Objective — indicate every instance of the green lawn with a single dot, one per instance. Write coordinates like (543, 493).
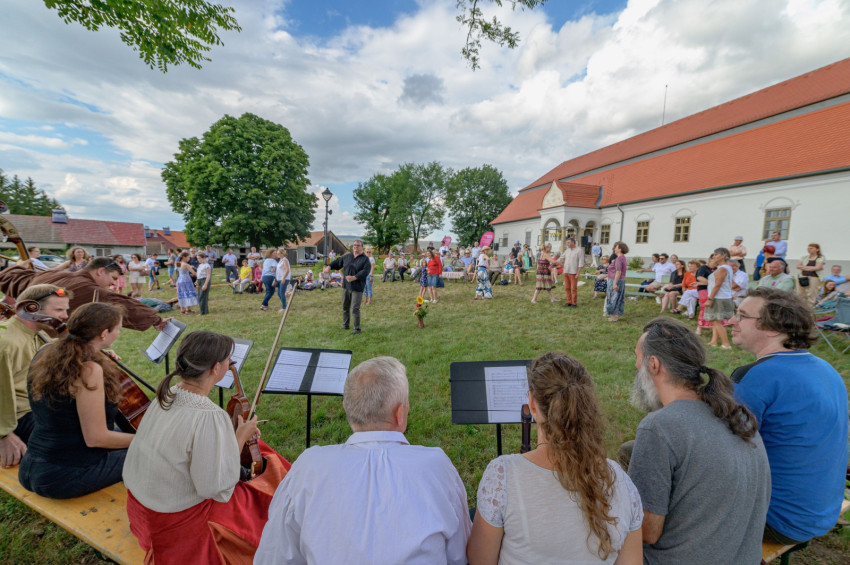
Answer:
(457, 329)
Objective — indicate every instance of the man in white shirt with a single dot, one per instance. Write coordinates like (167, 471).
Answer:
(376, 499)
(254, 257)
(572, 261)
(663, 268)
(389, 268)
(740, 282)
(229, 261)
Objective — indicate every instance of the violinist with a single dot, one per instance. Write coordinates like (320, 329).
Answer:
(73, 391)
(185, 500)
(19, 344)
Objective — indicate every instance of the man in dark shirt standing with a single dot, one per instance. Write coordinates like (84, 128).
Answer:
(355, 268)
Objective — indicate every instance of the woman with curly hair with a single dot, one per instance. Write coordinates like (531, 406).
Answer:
(565, 501)
(74, 394)
(77, 259)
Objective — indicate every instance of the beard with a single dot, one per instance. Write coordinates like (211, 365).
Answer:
(644, 394)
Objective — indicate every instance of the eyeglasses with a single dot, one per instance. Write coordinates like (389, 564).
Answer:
(740, 316)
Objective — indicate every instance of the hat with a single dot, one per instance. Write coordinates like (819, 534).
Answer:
(739, 238)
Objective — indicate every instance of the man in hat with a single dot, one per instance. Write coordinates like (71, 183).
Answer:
(737, 252)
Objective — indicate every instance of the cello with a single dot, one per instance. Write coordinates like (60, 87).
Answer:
(134, 402)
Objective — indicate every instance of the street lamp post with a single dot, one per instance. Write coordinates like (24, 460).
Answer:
(327, 195)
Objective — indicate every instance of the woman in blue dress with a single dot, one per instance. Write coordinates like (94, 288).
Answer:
(187, 296)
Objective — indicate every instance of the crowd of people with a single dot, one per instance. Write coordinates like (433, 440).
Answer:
(719, 464)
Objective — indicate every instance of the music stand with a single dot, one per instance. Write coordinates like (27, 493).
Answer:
(311, 372)
(163, 342)
(489, 392)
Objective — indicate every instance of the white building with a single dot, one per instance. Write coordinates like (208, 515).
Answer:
(774, 160)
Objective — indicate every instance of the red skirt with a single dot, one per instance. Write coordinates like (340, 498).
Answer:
(210, 532)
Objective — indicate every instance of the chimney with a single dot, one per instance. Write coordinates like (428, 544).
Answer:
(166, 231)
(147, 232)
(59, 216)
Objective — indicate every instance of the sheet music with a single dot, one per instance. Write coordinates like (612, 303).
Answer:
(288, 357)
(226, 381)
(507, 391)
(334, 360)
(329, 379)
(286, 377)
(240, 350)
(164, 340)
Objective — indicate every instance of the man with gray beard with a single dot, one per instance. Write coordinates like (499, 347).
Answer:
(698, 461)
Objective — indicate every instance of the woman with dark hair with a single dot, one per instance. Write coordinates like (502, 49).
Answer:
(673, 289)
(74, 394)
(827, 295)
(810, 265)
(136, 272)
(121, 283)
(718, 304)
(544, 274)
(187, 296)
(565, 501)
(185, 499)
(615, 294)
(601, 282)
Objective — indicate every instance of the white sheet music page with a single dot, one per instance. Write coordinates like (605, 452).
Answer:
(289, 370)
(329, 379)
(163, 339)
(334, 360)
(238, 355)
(507, 391)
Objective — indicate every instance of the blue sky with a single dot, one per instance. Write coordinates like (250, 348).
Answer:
(367, 86)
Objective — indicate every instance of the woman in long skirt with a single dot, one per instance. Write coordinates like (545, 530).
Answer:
(187, 296)
(615, 296)
(483, 290)
(544, 275)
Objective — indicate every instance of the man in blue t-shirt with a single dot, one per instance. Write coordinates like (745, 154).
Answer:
(800, 402)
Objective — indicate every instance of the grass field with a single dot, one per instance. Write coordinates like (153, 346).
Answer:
(457, 329)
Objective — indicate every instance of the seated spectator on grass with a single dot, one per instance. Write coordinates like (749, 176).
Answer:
(565, 501)
(308, 283)
(776, 276)
(375, 499)
(698, 460)
(800, 402)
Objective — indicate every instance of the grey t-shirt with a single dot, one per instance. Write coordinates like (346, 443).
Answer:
(712, 486)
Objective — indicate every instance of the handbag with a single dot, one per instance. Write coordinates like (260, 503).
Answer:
(804, 281)
(440, 283)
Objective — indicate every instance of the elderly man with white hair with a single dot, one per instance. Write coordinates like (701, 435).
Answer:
(375, 499)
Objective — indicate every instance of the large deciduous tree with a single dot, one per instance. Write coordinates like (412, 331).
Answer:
(380, 212)
(24, 197)
(421, 195)
(244, 181)
(475, 197)
(472, 17)
(164, 32)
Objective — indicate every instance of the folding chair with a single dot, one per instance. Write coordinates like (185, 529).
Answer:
(838, 328)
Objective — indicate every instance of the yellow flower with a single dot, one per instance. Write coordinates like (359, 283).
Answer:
(420, 301)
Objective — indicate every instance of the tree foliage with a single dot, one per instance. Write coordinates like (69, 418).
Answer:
(381, 212)
(472, 16)
(164, 32)
(244, 181)
(421, 196)
(24, 197)
(475, 197)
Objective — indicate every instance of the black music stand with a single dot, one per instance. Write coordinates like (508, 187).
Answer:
(311, 372)
(489, 392)
(241, 349)
(163, 342)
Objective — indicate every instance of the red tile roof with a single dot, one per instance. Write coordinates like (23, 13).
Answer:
(525, 205)
(821, 84)
(83, 232)
(177, 239)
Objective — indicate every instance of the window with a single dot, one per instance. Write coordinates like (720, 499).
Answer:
(778, 219)
(683, 229)
(505, 239)
(528, 237)
(605, 234)
(642, 235)
(102, 252)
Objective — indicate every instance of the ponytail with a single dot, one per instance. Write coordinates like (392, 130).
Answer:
(717, 392)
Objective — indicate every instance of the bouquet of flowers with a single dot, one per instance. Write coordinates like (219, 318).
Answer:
(421, 310)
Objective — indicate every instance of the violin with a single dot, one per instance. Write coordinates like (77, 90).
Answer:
(134, 402)
(251, 458)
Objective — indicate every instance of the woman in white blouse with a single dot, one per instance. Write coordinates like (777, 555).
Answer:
(563, 502)
(185, 500)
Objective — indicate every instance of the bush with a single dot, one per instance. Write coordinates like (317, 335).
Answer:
(635, 263)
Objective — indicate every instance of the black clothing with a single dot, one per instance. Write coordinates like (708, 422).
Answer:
(704, 271)
(353, 266)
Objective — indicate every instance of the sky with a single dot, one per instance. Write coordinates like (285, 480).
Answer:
(365, 86)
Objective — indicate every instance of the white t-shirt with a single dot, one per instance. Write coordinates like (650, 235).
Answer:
(282, 271)
(483, 260)
(663, 270)
(203, 271)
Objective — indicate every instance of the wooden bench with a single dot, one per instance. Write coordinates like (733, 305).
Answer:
(98, 519)
(770, 551)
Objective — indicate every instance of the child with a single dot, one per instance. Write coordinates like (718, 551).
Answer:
(204, 278)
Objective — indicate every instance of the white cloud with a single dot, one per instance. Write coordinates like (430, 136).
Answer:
(561, 93)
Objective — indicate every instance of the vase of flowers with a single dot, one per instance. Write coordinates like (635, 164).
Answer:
(420, 311)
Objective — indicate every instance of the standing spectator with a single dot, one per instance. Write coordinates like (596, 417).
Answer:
(484, 289)
(355, 269)
(758, 265)
(596, 253)
(476, 251)
(703, 273)
(367, 288)
(740, 282)
(121, 282)
(136, 270)
(572, 261)
(389, 268)
(153, 279)
(527, 258)
(810, 265)
(246, 275)
(698, 462)
(544, 275)
(737, 252)
(780, 247)
(211, 256)
(331, 255)
(422, 274)
(718, 304)
(204, 278)
(229, 260)
(282, 276)
(435, 267)
(800, 402)
(254, 258)
(187, 296)
(268, 273)
(615, 294)
(171, 263)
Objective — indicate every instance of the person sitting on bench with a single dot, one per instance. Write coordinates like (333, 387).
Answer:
(74, 391)
(185, 500)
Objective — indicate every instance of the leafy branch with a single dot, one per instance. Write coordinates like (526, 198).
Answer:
(472, 17)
